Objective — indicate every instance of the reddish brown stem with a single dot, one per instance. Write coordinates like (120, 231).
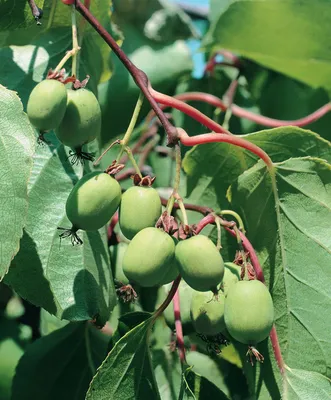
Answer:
(235, 140)
(208, 219)
(138, 75)
(178, 327)
(259, 119)
(174, 102)
(191, 207)
(169, 298)
(277, 350)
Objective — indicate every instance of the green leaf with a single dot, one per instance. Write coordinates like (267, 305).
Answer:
(71, 354)
(17, 145)
(127, 372)
(49, 323)
(73, 283)
(213, 167)
(197, 387)
(289, 230)
(279, 35)
(281, 97)
(305, 385)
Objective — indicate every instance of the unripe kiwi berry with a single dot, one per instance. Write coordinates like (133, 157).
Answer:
(185, 296)
(249, 312)
(47, 104)
(200, 263)
(82, 119)
(171, 274)
(93, 201)
(140, 208)
(207, 312)
(148, 257)
(118, 252)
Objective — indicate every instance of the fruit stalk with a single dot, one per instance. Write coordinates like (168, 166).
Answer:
(179, 328)
(169, 298)
(138, 75)
(75, 46)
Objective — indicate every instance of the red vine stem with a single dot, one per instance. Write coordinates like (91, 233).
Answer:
(178, 327)
(236, 110)
(176, 103)
(235, 140)
(138, 75)
(259, 119)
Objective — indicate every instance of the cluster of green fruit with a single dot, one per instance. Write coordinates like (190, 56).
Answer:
(95, 198)
(75, 115)
(213, 299)
(242, 310)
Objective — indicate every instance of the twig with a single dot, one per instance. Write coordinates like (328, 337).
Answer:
(36, 11)
(235, 140)
(138, 75)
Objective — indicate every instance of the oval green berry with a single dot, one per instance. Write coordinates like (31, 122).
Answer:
(140, 208)
(47, 104)
(148, 257)
(82, 120)
(249, 312)
(93, 201)
(200, 263)
(118, 252)
(207, 312)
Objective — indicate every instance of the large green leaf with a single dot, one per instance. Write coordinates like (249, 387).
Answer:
(127, 372)
(305, 385)
(197, 387)
(279, 34)
(60, 365)
(213, 167)
(17, 145)
(74, 283)
(290, 231)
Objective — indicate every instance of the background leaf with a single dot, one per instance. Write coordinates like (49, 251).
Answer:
(290, 235)
(127, 371)
(305, 385)
(279, 35)
(17, 145)
(74, 283)
(69, 353)
(213, 167)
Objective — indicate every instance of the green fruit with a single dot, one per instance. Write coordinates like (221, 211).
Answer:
(118, 254)
(231, 276)
(249, 312)
(200, 263)
(148, 257)
(207, 312)
(185, 296)
(82, 120)
(47, 104)
(140, 208)
(93, 201)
